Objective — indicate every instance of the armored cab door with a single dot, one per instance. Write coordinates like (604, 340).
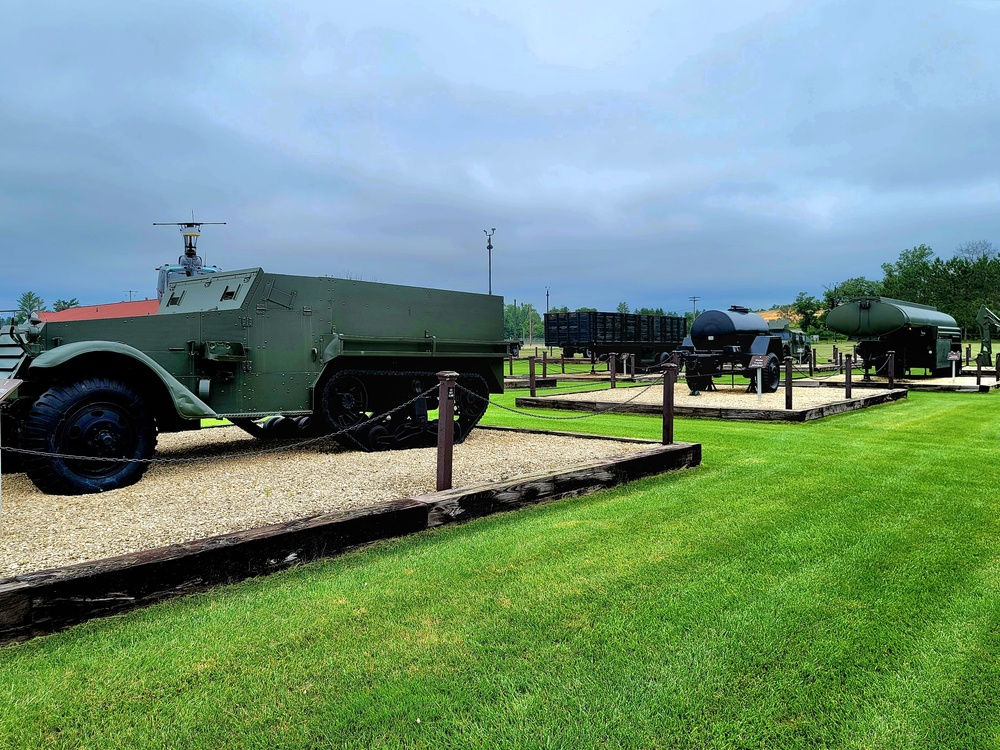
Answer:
(284, 349)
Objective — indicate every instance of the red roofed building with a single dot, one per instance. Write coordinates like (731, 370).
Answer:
(134, 309)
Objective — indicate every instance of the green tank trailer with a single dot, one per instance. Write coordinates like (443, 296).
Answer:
(921, 336)
(278, 355)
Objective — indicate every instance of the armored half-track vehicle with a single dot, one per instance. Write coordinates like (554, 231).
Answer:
(724, 342)
(278, 355)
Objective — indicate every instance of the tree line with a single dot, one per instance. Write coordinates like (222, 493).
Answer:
(957, 286)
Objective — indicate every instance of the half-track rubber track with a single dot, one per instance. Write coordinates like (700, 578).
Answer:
(376, 410)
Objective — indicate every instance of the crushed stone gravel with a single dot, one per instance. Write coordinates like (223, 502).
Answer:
(234, 491)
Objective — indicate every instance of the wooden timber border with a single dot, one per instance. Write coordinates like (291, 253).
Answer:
(46, 601)
(719, 412)
(937, 386)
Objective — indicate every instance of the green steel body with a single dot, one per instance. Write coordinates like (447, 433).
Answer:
(921, 336)
(248, 343)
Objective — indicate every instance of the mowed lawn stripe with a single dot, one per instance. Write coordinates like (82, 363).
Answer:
(824, 584)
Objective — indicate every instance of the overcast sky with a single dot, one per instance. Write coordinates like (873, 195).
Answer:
(627, 151)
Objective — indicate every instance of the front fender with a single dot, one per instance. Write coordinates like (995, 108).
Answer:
(186, 403)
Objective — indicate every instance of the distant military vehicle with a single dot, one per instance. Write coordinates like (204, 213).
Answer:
(921, 336)
(650, 338)
(728, 341)
(794, 342)
(278, 355)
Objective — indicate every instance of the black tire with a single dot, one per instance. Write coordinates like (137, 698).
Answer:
(772, 374)
(95, 417)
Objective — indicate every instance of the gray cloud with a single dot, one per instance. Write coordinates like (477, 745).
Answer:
(741, 152)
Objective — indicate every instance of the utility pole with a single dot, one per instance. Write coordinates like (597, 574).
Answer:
(546, 300)
(130, 292)
(489, 258)
(694, 307)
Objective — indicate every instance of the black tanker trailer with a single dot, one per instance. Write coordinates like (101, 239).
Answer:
(725, 342)
(921, 336)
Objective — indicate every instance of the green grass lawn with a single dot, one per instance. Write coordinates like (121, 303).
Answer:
(828, 584)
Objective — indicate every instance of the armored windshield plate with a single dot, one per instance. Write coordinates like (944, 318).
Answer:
(757, 361)
(954, 356)
(7, 387)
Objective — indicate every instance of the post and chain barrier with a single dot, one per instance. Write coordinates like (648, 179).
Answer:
(446, 389)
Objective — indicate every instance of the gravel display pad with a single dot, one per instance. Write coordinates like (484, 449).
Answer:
(724, 397)
(235, 490)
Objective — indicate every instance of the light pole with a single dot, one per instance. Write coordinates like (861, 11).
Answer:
(546, 300)
(489, 257)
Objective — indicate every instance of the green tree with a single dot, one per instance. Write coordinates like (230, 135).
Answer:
(623, 308)
(911, 277)
(586, 309)
(805, 307)
(65, 304)
(522, 322)
(28, 303)
(649, 311)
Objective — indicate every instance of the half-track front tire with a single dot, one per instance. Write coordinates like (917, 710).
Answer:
(92, 418)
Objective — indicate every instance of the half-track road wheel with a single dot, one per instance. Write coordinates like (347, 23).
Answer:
(91, 418)
(395, 413)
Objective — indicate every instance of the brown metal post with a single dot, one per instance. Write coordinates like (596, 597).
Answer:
(545, 364)
(510, 359)
(812, 362)
(996, 370)
(848, 366)
(891, 365)
(979, 372)
(446, 427)
(669, 381)
(788, 382)
(835, 360)
(563, 360)
(531, 375)
(968, 354)
(613, 367)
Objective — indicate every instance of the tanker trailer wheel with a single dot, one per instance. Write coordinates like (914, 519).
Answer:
(95, 417)
(772, 374)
